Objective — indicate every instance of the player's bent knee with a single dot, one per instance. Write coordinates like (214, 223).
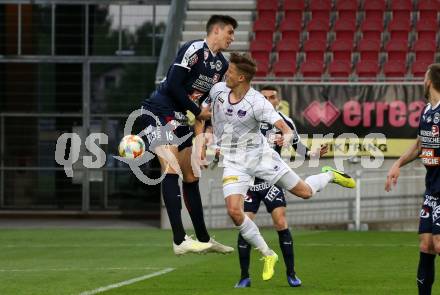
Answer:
(236, 215)
(426, 247)
(280, 224)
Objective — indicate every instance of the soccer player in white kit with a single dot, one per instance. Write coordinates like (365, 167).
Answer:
(237, 111)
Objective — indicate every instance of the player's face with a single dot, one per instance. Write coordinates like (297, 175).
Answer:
(272, 97)
(233, 76)
(225, 36)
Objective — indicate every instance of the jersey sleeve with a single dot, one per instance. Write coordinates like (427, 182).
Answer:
(188, 55)
(264, 111)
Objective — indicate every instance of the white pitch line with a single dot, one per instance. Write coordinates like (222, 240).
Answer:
(127, 282)
(81, 246)
(75, 269)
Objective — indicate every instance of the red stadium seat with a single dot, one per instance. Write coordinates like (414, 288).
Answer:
(287, 49)
(290, 25)
(264, 29)
(425, 50)
(428, 9)
(267, 5)
(394, 69)
(267, 9)
(339, 68)
(374, 9)
(372, 28)
(320, 9)
(260, 50)
(345, 29)
(262, 67)
(342, 49)
(401, 9)
(397, 50)
(419, 68)
(315, 49)
(369, 49)
(427, 29)
(367, 69)
(284, 68)
(312, 69)
(318, 29)
(399, 29)
(347, 9)
(293, 9)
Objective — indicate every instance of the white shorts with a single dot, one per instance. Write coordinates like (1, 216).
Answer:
(237, 180)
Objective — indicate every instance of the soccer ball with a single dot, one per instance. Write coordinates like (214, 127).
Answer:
(131, 146)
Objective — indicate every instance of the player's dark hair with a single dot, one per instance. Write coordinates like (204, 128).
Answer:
(434, 75)
(221, 20)
(270, 88)
(245, 64)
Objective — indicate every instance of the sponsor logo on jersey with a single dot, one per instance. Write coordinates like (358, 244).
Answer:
(230, 179)
(221, 99)
(436, 118)
(193, 60)
(212, 65)
(241, 113)
(428, 157)
(435, 131)
(218, 66)
(229, 112)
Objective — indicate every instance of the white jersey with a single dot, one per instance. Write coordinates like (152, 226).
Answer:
(236, 126)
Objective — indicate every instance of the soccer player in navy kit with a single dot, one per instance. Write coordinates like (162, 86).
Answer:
(198, 66)
(273, 198)
(427, 146)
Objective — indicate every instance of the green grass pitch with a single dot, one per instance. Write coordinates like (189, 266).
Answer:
(72, 261)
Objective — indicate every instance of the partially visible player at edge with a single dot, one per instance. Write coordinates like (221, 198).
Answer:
(427, 146)
(198, 66)
(237, 111)
(273, 198)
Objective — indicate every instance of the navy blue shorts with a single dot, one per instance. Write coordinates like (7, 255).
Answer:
(272, 197)
(167, 129)
(430, 215)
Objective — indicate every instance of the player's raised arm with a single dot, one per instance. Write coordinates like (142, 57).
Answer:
(393, 174)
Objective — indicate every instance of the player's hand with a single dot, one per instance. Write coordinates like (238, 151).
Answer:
(205, 114)
(392, 176)
(283, 140)
(319, 152)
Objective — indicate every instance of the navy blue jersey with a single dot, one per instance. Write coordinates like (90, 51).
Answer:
(269, 131)
(429, 135)
(194, 71)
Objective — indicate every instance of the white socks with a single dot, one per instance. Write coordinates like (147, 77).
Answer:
(319, 181)
(249, 231)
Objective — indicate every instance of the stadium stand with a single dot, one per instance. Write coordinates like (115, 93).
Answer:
(333, 39)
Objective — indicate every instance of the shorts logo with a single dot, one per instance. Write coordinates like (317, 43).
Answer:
(435, 131)
(230, 179)
(241, 113)
(276, 168)
(424, 213)
(248, 199)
